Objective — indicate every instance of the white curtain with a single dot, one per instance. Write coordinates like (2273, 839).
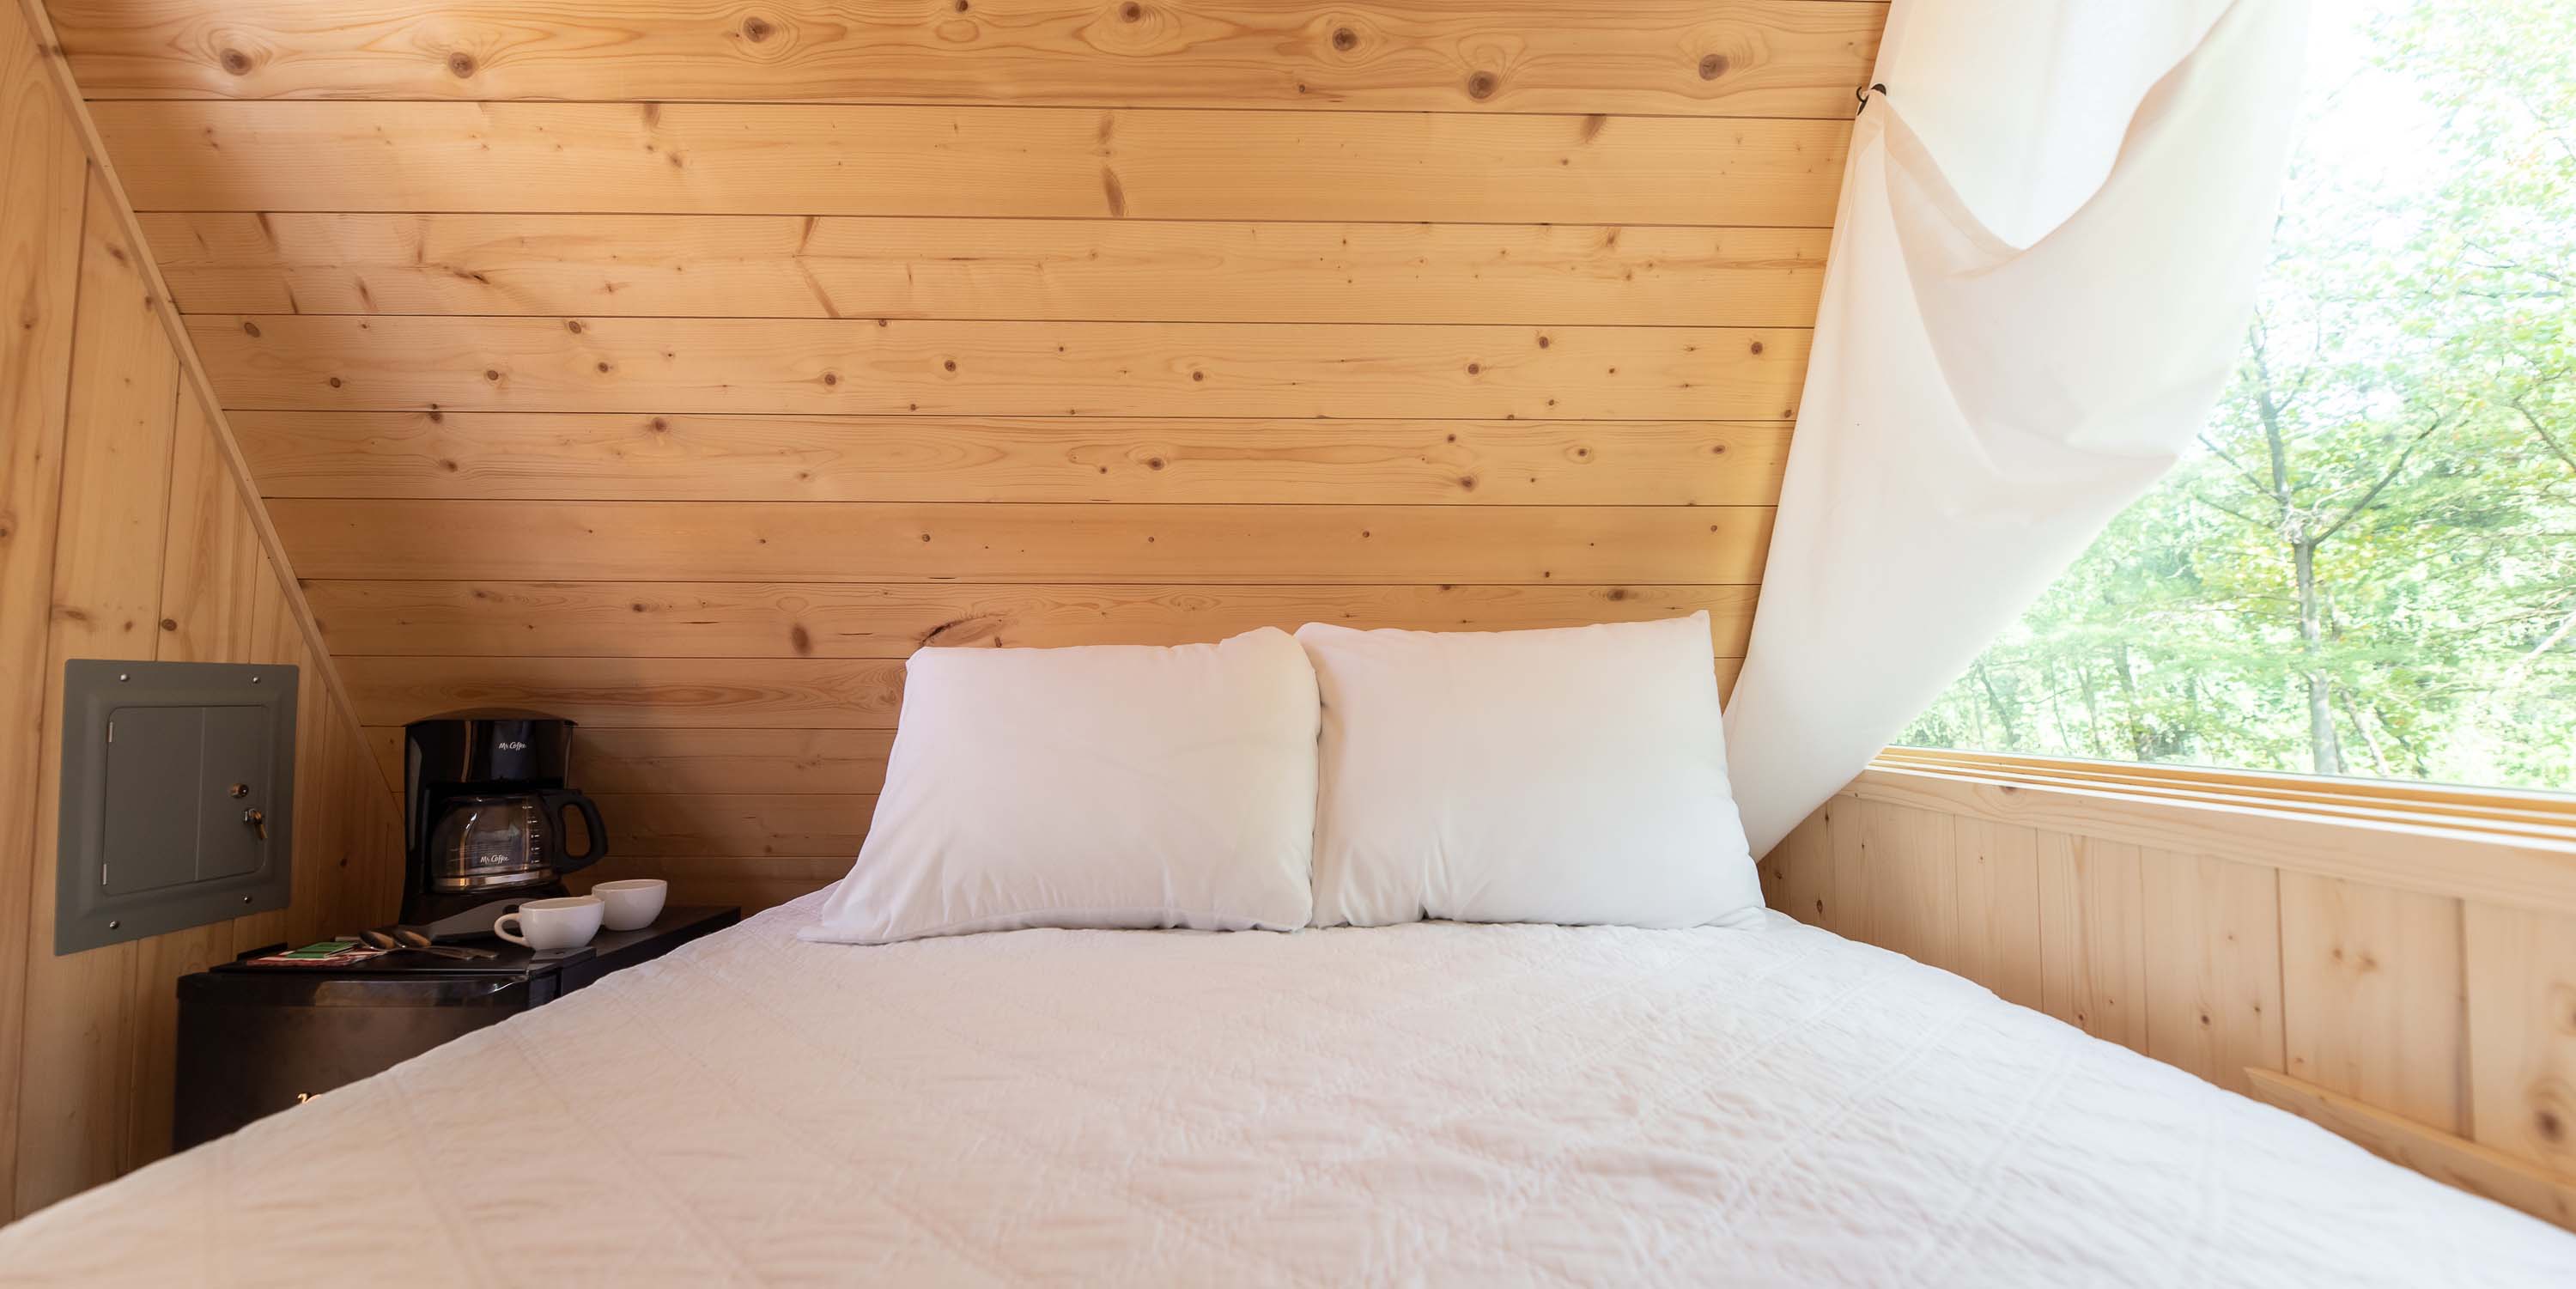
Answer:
(2051, 226)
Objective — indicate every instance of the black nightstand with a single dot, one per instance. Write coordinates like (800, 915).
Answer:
(255, 1040)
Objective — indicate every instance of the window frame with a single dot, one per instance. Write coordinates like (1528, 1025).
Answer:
(2510, 811)
(2504, 846)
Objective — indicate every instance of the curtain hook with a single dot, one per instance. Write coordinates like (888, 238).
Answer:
(1863, 96)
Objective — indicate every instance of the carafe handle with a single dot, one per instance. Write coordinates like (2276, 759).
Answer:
(555, 802)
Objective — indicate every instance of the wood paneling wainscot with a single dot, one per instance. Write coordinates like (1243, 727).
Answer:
(126, 531)
(2268, 949)
(681, 369)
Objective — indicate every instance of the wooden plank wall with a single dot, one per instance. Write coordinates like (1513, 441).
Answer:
(680, 368)
(2436, 1027)
(124, 533)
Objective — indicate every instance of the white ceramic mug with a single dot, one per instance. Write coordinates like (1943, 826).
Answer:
(634, 902)
(567, 923)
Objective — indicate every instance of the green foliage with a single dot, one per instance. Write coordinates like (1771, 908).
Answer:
(2369, 564)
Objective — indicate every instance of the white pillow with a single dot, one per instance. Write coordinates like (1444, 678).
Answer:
(1102, 786)
(1571, 776)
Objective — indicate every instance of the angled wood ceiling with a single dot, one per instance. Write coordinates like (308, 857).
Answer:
(680, 365)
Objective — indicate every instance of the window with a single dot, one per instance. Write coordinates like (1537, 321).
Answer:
(2367, 564)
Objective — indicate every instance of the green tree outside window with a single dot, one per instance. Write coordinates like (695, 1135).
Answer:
(2367, 565)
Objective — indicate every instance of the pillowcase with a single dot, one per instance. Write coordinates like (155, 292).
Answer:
(1571, 776)
(1101, 786)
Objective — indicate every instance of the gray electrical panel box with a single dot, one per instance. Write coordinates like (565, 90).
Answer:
(178, 803)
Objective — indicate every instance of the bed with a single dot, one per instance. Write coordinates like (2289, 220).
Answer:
(1424, 1104)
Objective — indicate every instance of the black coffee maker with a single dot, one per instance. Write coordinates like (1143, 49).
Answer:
(483, 818)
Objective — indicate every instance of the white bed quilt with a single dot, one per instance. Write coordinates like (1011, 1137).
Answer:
(1420, 1104)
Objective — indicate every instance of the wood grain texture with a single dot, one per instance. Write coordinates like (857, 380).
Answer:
(274, 637)
(214, 564)
(1026, 162)
(1998, 937)
(846, 541)
(2422, 854)
(304, 924)
(2213, 965)
(763, 824)
(121, 411)
(1772, 878)
(791, 693)
(123, 534)
(2449, 805)
(1736, 57)
(1913, 880)
(212, 569)
(1847, 908)
(42, 192)
(803, 367)
(2402, 1014)
(801, 694)
(1805, 860)
(2513, 812)
(1054, 459)
(357, 844)
(2442, 1156)
(879, 620)
(2520, 983)
(1098, 270)
(2093, 971)
(77, 1077)
(713, 762)
(312, 856)
(2371, 982)
(731, 761)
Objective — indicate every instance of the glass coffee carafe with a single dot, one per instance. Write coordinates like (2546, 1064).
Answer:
(503, 841)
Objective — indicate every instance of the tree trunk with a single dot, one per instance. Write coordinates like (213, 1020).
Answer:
(2189, 745)
(2057, 710)
(2135, 724)
(2092, 713)
(2324, 748)
(2012, 730)
(2369, 742)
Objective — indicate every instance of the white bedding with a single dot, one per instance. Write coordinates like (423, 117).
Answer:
(1421, 1104)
